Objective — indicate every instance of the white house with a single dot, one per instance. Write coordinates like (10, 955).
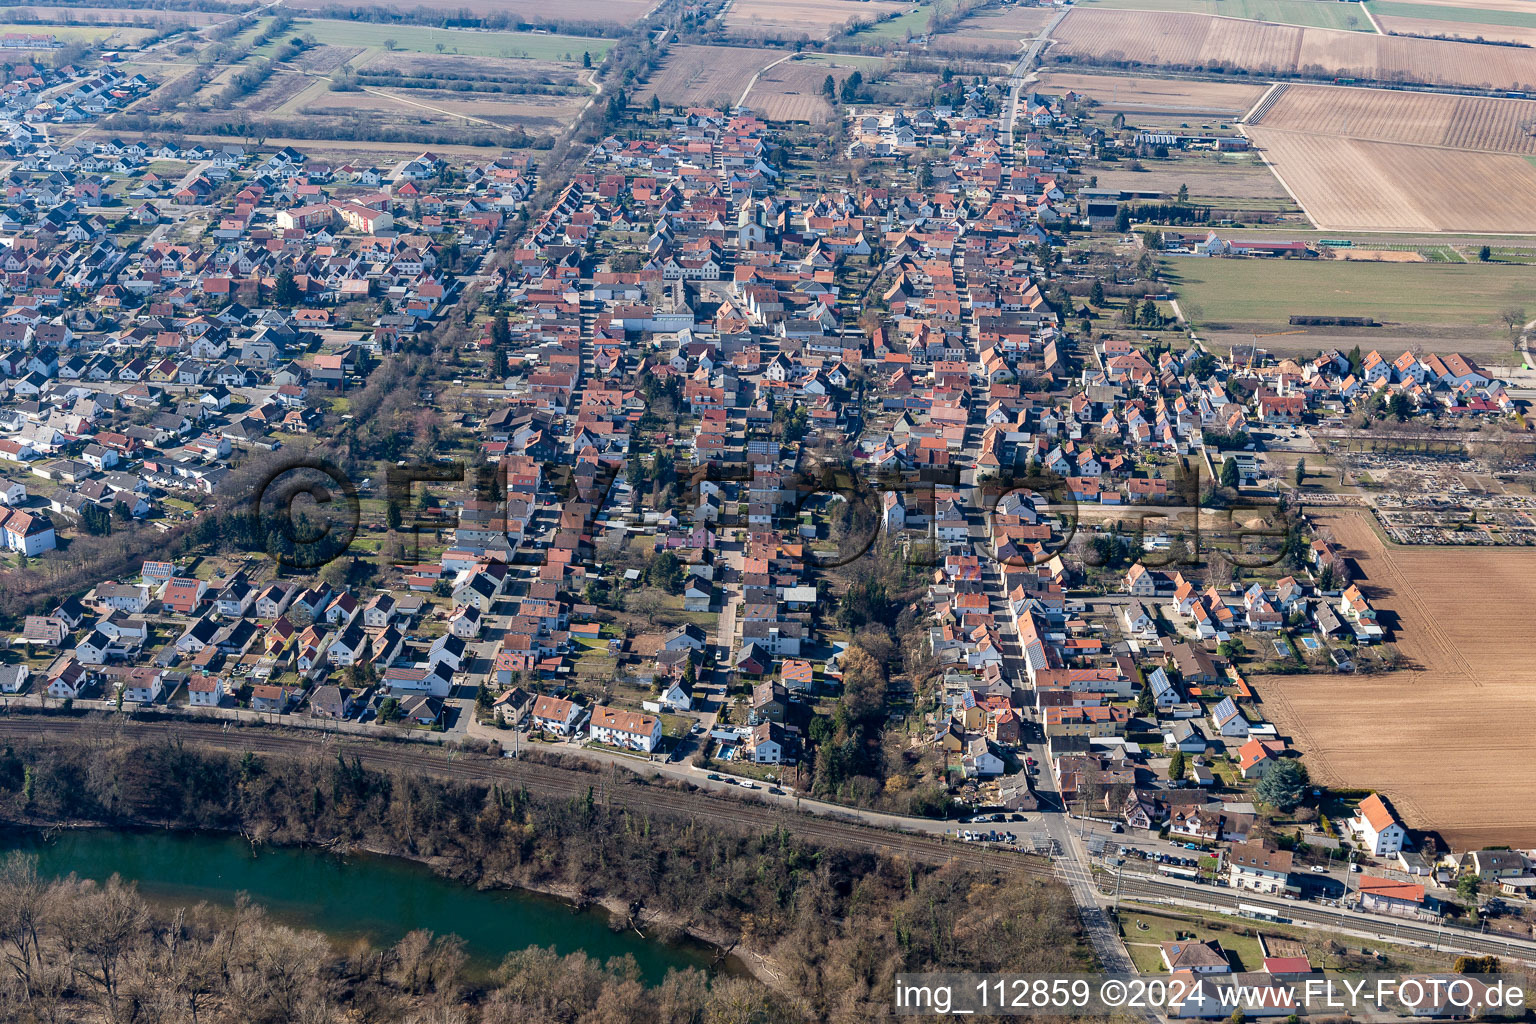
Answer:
(627, 729)
(1138, 621)
(686, 635)
(205, 691)
(1377, 827)
(1259, 866)
(123, 597)
(553, 714)
(13, 678)
(140, 685)
(767, 743)
(1164, 694)
(1227, 720)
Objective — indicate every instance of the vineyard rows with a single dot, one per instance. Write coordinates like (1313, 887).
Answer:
(1418, 118)
(1129, 38)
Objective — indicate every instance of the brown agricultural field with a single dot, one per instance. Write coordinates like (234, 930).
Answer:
(1209, 181)
(1158, 37)
(1418, 118)
(707, 75)
(400, 107)
(994, 31)
(614, 12)
(792, 91)
(1198, 40)
(322, 60)
(1353, 185)
(1457, 30)
(817, 19)
(1156, 95)
(1449, 740)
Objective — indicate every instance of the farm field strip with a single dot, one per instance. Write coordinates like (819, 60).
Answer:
(1350, 184)
(693, 75)
(615, 12)
(454, 42)
(992, 30)
(114, 15)
(1515, 6)
(1207, 181)
(1199, 41)
(125, 35)
(1433, 739)
(1348, 17)
(816, 19)
(792, 91)
(1447, 295)
(1126, 93)
(1398, 25)
(1416, 118)
(1458, 15)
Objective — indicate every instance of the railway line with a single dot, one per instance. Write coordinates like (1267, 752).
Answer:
(610, 786)
(615, 787)
(1402, 931)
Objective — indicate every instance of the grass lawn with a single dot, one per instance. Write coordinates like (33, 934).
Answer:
(419, 39)
(1464, 15)
(914, 22)
(1269, 291)
(1310, 13)
(596, 664)
(1144, 932)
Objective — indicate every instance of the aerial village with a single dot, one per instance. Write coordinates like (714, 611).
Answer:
(674, 359)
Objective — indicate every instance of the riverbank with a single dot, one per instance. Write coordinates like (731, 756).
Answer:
(826, 926)
(727, 955)
(175, 869)
(732, 953)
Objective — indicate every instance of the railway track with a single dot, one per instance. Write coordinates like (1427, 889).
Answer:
(609, 787)
(1404, 931)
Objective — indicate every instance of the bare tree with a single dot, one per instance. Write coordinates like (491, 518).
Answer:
(1514, 319)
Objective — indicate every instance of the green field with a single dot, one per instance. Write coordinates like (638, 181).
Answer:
(1463, 15)
(914, 22)
(417, 39)
(1269, 291)
(1309, 13)
(122, 36)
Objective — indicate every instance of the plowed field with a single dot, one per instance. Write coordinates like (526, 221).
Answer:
(1449, 741)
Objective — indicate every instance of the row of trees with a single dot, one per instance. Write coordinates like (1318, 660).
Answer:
(837, 924)
(82, 950)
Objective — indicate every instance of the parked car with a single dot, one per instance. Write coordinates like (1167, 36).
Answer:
(1318, 869)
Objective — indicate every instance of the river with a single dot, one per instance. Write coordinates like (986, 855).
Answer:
(347, 898)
